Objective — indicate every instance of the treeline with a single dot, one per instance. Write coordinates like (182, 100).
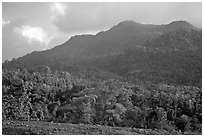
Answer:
(61, 97)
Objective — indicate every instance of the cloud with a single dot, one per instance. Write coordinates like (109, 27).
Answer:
(16, 36)
(12, 44)
(57, 9)
(28, 27)
(86, 17)
(5, 22)
(57, 40)
(79, 17)
(33, 34)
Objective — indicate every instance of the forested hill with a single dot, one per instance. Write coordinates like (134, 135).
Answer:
(168, 53)
(131, 76)
(174, 58)
(115, 40)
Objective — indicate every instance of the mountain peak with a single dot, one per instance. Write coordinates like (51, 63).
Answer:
(122, 36)
(128, 23)
(181, 24)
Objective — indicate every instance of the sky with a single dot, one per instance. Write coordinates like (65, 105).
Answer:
(28, 27)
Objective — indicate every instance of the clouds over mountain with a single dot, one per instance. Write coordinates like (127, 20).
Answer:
(19, 39)
(38, 26)
(33, 34)
(85, 17)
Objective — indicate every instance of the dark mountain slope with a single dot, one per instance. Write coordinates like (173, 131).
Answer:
(181, 39)
(179, 68)
(158, 53)
(120, 37)
(174, 57)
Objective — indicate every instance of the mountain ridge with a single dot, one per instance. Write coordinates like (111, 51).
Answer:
(117, 39)
(176, 24)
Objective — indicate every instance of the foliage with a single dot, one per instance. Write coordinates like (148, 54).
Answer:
(63, 98)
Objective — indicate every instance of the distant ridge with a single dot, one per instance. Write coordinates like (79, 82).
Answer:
(117, 39)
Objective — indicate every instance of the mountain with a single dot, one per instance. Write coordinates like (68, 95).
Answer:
(181, 24)
(174, 57)
(142, 51)
(120, 37)
(156, 66)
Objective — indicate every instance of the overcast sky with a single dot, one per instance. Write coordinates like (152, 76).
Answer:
(28, 27)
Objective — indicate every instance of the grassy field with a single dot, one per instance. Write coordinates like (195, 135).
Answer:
(49, 128)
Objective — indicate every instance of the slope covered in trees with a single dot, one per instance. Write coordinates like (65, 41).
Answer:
(178, 68)
(133, 75)
(62, 98)
(169, 53)
(115, 40)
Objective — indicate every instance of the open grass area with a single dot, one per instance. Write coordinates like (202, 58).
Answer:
(49, 128)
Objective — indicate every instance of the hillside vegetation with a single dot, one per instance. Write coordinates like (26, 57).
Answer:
(133, 76)
(170, 53)
(62, 98)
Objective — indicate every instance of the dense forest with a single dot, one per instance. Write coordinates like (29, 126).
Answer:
(61, 97)
(177, 68)
(132, 76)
